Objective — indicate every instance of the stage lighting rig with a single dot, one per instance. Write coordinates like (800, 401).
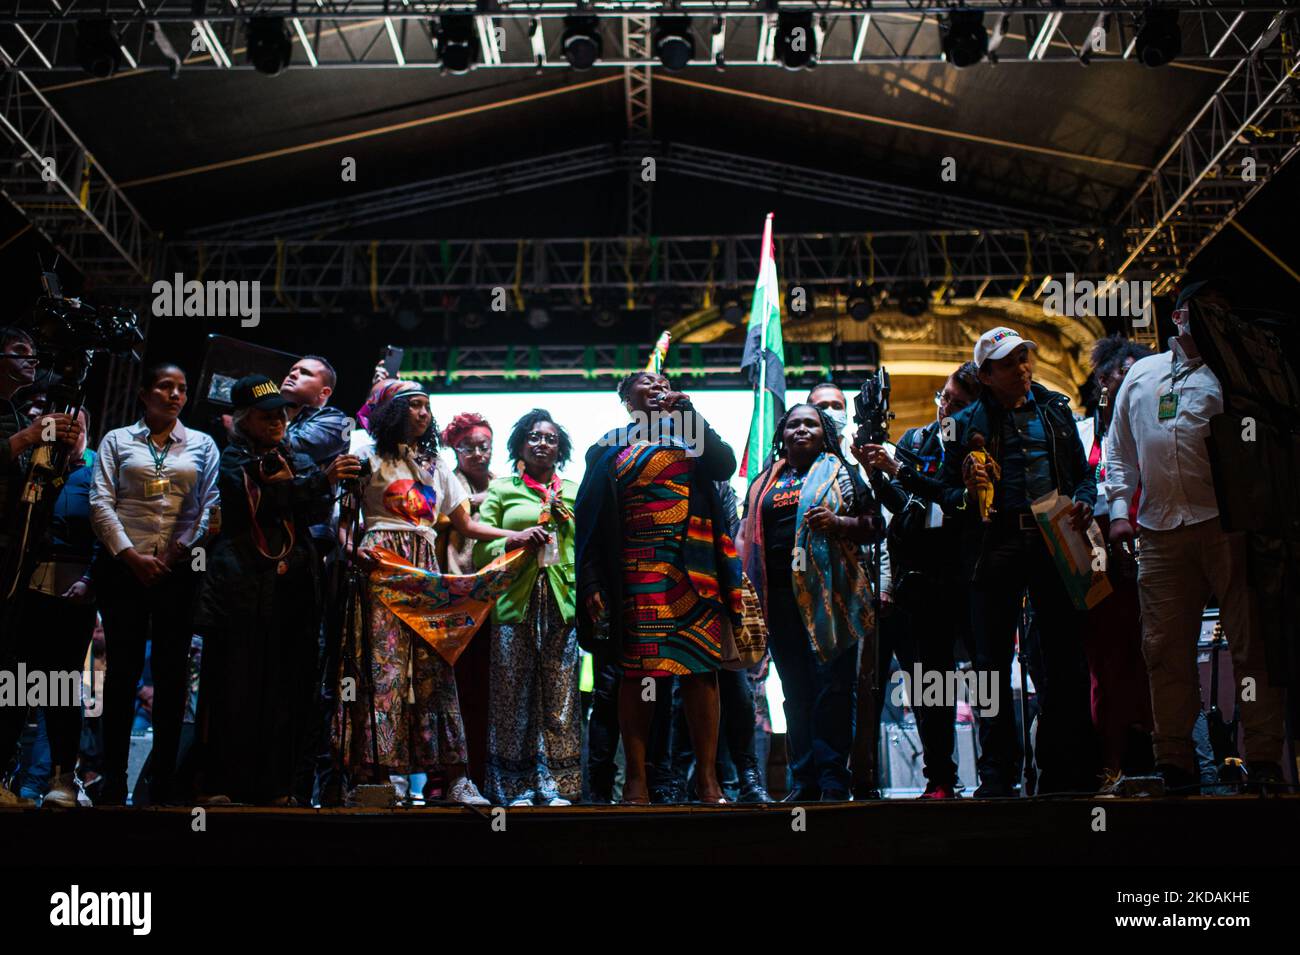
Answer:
(457, 44)
(98, 49)
(269, 46)
(962, 35)
(581, 41)
(731, 307)
(859, 303)
(1159, 39)
(796, 45)
(674, 42)
(913, 299)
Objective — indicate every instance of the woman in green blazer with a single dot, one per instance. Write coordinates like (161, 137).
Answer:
(534, 729)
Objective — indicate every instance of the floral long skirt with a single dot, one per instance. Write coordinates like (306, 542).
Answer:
(534, 731)
(416, 716)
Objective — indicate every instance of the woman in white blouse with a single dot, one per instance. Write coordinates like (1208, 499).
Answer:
(154, 490)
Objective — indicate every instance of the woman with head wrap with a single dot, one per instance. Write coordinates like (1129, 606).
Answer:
(414, 707)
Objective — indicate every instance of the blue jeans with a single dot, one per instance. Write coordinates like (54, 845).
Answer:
(819, 700)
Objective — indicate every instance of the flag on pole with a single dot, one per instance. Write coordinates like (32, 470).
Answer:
(659, 354)
(764, 360)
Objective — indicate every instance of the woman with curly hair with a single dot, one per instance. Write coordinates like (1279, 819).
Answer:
(417, 725)
(534, 735)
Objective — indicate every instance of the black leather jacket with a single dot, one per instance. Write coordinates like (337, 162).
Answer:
(1073, 476)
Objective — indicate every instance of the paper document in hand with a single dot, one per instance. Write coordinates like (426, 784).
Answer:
(1081, 559)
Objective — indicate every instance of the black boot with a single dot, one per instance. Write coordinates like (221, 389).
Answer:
(751, 786)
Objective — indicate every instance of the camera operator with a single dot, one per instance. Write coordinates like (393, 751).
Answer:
(1030, 433)
(18, 433)
(155, 488)
(258, 607)
(930, 609)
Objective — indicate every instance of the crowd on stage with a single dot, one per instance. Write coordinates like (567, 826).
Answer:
(370, 614)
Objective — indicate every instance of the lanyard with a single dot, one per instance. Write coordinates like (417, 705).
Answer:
(159, 457)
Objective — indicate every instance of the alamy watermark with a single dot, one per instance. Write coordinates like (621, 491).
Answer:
(194, 299)
(923, 687)
(23, 687)
(1130, 299)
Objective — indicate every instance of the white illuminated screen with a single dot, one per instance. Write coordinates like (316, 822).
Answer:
(586, 416)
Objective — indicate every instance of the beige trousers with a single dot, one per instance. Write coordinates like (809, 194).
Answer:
(1178, 572)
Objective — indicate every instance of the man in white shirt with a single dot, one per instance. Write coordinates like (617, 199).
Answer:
(1158, 439)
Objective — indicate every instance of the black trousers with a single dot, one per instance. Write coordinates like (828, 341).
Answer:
(603, 731)
(923, 629)
(1067, 753)
(52, 638)
(134, 615)
(819, 700)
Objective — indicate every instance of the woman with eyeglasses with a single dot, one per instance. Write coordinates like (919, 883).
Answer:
(470, 436)
(415, 707)
(534, 729)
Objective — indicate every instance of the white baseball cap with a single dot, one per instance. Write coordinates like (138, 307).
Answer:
(998, 343)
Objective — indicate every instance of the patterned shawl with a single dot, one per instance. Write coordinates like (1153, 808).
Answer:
(832, 588)
(444, 609)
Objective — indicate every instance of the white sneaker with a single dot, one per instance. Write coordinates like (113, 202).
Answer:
(12, 801)
(466, 792)
(521, 802)
(559, 801)
(63, 792)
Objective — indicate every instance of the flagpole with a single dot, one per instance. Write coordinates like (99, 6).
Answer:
(761, 384)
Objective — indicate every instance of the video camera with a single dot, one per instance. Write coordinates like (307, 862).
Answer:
(872, 414)
(871, 410)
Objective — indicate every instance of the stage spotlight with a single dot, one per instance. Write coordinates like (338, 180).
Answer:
(537, 312)
(731, 307)
(581, 41)
(457, 44)
(99, 51)
(796, 45)
(913, 299)
(963, 37)
(859, 303)
(674, 42)
(1159, 39)
(471, 310)
(269, 46)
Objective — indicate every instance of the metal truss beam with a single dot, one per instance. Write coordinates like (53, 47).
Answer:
(50, 176)
(320, 219)
(1249, 128)
(316, 276)
(369, 34)
(582, 367)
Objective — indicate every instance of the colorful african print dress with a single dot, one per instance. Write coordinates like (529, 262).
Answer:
(669, 630)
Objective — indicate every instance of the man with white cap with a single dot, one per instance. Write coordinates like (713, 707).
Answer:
(1158, 439)
(1030, 432)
